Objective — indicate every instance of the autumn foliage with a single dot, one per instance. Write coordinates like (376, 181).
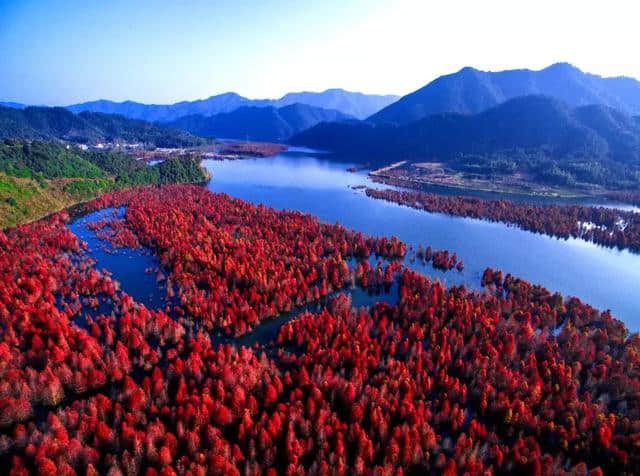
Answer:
(511, 379)
(236, 264)
(605, 226)
(626, 196)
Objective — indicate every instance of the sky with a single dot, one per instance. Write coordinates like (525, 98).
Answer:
(64, 52)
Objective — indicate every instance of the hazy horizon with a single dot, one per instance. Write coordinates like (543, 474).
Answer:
(61, 53)
(302, 91)
(271, 98)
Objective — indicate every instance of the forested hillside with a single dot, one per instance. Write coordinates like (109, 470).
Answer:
(259, 123)
(537, 135)
(37, 178)
(47, 123)
(470, 91)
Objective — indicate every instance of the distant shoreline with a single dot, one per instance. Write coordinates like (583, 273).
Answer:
(382, 175)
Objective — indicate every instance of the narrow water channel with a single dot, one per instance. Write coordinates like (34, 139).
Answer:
(603, 277)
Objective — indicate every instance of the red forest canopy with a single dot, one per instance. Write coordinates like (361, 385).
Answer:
(446, 380)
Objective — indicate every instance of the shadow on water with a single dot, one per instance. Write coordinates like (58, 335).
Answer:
(267, 331)
(129, 267)
(606, 278)
(126, 265)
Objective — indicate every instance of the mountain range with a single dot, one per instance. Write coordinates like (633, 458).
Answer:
(559, 110)
(353, 104)
(46, 123)
(470, 91)
(13, 105)
(541, 123)
(259, 123)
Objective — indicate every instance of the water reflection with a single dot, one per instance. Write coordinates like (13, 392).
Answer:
(126, 265)
(606, 278)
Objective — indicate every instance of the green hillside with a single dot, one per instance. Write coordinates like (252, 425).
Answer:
(38, 178)
(47, 123)
(534, 135)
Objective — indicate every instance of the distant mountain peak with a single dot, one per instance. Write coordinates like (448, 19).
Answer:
(468, 70)
(12, 105)
(537, 123)
(354, 104)
(224, 95)
(268, 123)
(471, 91)
(562, 66)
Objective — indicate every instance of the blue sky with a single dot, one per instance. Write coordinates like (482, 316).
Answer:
(62, 52)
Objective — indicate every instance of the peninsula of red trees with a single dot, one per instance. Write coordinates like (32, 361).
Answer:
(605, 226)
(513, 379)
(626, 196)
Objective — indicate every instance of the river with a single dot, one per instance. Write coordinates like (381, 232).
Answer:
(603, 277)
(297, 179)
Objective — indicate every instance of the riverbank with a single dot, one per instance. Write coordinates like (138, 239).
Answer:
(220, 150)
(604, 226)
(424, 174)
(25, 200)
(321, 186)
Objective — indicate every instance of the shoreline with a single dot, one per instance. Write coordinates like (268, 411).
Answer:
(414, 184)
(74, 207)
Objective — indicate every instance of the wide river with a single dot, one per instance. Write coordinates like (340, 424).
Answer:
(603, 277)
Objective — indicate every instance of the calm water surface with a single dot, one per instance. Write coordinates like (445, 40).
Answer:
(604, 277)
(135, 269)
(126, 265)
